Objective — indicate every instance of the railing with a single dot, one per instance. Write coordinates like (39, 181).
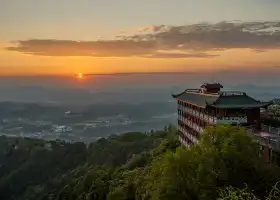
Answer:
(191, 125)
(212, 119)
(271, 142)
(192, 90)
(226, 120)
(189, 136)
(270, 129)
(232, 93)
(201, 115)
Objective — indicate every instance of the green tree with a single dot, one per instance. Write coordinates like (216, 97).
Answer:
(224, 156)
(231, 193)
(138, 166)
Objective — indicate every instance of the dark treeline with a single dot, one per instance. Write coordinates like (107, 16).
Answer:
(138, 166)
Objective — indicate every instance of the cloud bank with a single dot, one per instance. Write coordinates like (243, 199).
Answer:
(189, 41)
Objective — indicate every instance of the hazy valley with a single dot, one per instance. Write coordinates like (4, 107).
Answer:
(85, 114)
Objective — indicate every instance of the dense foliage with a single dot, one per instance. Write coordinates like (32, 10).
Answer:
(224, 165)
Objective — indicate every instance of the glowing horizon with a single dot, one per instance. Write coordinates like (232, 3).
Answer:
(84, 41)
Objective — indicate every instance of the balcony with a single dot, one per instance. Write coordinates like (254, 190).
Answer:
(271, 142)
(187, 134)
(270, 129)
(190, 136)
(231, 120)
(191, 125)
(212, 119)
(200, 115)
(268, 136)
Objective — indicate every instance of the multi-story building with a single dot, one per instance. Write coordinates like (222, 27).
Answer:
(208, 105)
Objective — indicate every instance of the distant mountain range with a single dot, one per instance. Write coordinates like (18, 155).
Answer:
(82, 96)
(128, 94)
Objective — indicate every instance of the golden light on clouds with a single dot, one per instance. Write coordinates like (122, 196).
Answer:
(190, 48)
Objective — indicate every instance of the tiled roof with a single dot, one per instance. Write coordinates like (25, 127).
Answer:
(220, 101)
(237, 101)
(212, 85)
(197, 98)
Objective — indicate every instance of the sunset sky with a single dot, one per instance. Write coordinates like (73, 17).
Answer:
(62, 37)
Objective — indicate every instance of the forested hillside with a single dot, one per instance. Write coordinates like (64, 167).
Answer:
(138, 166)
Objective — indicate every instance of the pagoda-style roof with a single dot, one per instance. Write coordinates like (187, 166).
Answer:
(212, 85)
(197, 98)
(221, 100)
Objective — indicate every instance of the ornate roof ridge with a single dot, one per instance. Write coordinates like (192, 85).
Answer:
(203, 94)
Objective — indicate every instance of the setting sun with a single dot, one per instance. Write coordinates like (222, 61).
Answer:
(80, 75)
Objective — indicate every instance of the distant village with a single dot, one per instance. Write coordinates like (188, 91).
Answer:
(48, 130)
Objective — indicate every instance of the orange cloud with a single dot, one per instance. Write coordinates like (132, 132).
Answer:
(121, 48)
(154, 28)
(190, 41)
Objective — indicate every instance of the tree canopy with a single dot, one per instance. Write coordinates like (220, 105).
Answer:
(225, 164)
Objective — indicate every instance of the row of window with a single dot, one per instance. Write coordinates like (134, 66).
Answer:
(194, 119)
(188, 129)
(184, 104)
(203, 110)
(185, 138)
(212, 112)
